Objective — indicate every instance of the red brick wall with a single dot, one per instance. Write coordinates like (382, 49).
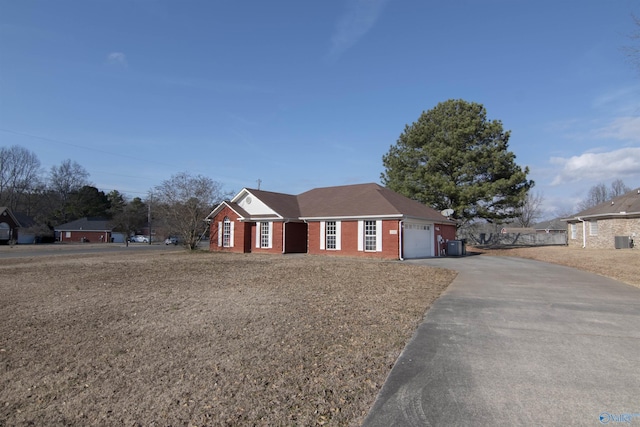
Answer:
(447, 231)
(276, 239)
(239, 232)
(90, 236)
(349, 240)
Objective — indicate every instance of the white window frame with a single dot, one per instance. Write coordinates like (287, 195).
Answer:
(330, 235)
(227, 233)
(574, 231)
(376, 237)
(593, 228)
(330, 230)
(264, 235)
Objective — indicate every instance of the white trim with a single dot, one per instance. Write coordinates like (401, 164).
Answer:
(220, 232)
(246, 193)
(322, 235)
(353, 217)
(218, 208)
(379, 236)
(338, 235)
(231, 234)
(601, 216)
(259, 235)
(360, 236)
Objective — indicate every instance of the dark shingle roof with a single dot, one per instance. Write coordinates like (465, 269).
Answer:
(362, 200)
(286, 205)
(86, 224)
(4, 209)
(625, 205)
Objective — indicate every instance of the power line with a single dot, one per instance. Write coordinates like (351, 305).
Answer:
(97, 150)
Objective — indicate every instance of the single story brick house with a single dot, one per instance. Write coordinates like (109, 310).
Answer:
(88, 229)
(365, 220)
(609, 225)
(9, 225)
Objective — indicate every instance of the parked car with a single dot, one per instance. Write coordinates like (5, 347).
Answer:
(139, 239)
(171, 241)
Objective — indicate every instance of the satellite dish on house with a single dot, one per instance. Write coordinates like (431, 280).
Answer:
(447, 212)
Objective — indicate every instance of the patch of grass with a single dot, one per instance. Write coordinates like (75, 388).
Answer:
(202, 338)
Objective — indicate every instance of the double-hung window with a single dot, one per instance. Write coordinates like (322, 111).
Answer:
(331, 234)
(226, 232)
(593, 228)
(265, 235)
(370, 236)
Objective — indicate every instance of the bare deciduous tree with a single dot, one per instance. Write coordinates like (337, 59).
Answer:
(63, 181)
(19, 173)
(618, 188)
(67, 177)
(599, 193)
(530, 212)
(633, 51)
(183, 201)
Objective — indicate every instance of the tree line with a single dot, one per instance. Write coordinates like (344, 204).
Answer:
(64, 193)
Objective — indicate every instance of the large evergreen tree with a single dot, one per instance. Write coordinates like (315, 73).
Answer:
(453, 157)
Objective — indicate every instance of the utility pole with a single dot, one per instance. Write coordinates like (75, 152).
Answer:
(149, 219)
(259, 182)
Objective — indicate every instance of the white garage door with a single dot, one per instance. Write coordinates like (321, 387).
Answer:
(417, 240)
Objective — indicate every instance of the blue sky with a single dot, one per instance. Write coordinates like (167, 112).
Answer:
(306, 94)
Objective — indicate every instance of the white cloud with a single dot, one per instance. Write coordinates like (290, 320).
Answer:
(622, 128)
(359, 17)
(117, 58)
(622, 163)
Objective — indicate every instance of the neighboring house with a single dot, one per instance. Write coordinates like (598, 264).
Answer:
(552, 226)
(9, 226)
(88, 229)
(609, 225)
(356, 220)
(28, 226)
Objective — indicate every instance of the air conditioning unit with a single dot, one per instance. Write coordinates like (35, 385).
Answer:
(454, 248)
(622, 242)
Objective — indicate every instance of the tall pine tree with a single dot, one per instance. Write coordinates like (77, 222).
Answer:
(453, 157)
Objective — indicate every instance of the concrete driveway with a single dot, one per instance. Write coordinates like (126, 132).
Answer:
(519, 342)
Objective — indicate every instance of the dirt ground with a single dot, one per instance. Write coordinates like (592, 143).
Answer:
(181, 339)
(618, 264)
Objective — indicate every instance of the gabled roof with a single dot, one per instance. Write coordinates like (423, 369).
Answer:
(363, 200)
(86, 224)
(285, 205)
(231, 205)
(6, 211)
(624, 206)
(347, 201)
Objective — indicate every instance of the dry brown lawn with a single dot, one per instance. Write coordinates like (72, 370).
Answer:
(159, 339)
(620, 264)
